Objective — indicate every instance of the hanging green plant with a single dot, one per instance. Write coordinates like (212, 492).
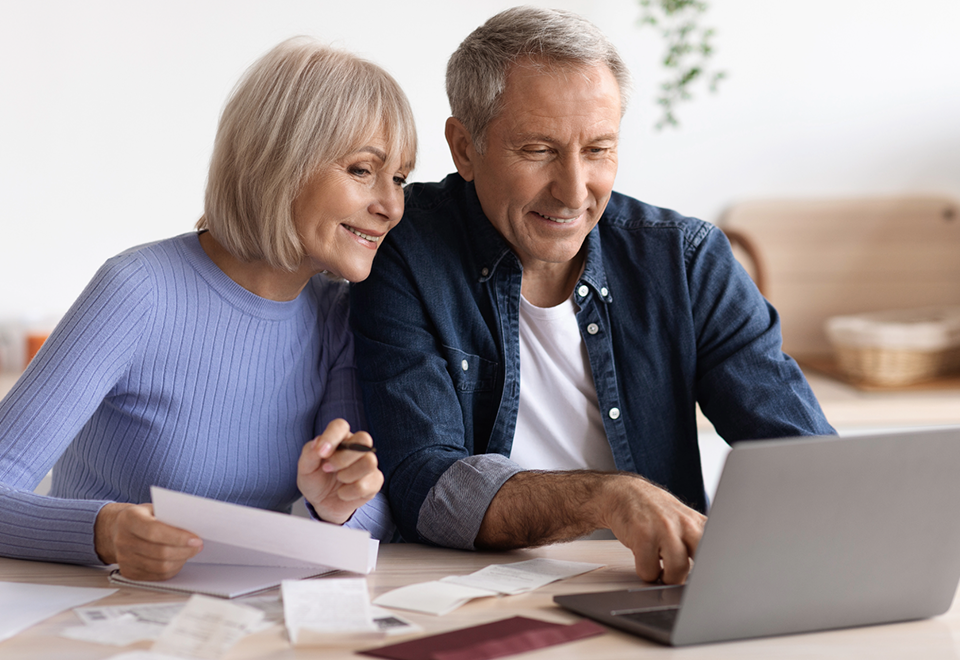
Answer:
(687, 52)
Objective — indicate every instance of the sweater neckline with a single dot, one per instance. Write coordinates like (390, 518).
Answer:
(234, 294)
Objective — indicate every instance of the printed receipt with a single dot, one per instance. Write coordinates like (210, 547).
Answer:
(206, 628)
(522, 576)
(329, 608)
(446, 595)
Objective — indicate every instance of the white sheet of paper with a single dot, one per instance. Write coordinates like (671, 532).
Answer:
(332, 607)
(115, 632)
(247, 536)
(120, 625)
(437, 598)
(206, 628)
(522, 576)
(23, 604)
(224, 580)
(156, 613)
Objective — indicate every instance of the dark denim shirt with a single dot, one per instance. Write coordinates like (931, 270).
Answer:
(668, 316)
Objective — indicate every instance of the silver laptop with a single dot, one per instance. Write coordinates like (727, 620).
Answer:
(810, 534)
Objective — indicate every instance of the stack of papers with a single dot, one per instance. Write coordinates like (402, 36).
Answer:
(246, 550)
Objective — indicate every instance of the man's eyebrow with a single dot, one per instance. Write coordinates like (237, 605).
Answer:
(608, 137)
(543, 137)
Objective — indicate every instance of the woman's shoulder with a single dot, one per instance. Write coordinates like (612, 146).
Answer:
(330, 296)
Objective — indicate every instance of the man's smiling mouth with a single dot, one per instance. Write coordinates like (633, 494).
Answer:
(562, 221)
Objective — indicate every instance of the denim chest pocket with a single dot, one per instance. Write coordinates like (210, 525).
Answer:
(470, 373)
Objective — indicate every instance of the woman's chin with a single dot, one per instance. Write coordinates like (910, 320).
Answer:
(350, 273)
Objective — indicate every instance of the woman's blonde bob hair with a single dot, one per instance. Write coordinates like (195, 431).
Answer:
(300, 107)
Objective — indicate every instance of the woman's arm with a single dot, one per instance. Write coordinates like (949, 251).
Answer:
(79, 364)
(354, 477)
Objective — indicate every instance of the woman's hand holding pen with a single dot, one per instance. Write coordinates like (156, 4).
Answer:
(337, 472)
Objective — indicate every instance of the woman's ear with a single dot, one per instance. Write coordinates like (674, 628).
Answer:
(461, 147)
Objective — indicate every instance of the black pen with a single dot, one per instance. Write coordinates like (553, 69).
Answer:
(353, 446)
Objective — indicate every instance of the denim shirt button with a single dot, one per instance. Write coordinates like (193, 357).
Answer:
(464, 365)
(614, 413)
(604, 292)
(583, 291)
(484, 271)
(593, 328)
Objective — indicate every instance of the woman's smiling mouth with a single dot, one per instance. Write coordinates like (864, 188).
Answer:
(375, 239)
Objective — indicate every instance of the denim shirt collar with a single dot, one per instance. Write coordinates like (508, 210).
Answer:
(491, 249)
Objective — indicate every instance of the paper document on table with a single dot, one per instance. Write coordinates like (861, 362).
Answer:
(322, 611)
(206, 628)
(116, 632)
(120, 625)
(521, 576)
(23, 605)
(437, 598)
(242, 535)
(449, 593)
(223, 580)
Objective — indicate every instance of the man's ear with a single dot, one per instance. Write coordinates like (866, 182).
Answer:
(461, 147)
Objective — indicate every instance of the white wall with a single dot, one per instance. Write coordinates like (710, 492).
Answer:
(108, 109)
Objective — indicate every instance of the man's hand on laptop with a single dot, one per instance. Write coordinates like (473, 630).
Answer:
(536, 508)
(661, 531)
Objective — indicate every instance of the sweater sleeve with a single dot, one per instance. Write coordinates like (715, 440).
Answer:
(79, 364)
(342, 399)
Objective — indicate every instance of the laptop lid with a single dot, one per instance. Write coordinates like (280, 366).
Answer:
(815, 533)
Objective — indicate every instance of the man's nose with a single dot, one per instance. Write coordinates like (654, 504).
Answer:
(570, 183)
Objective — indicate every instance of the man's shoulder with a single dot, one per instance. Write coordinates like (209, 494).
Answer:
(425, 202)
(442, 217)
(627, 214)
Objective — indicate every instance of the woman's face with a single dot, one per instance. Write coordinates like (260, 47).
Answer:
(346, 209)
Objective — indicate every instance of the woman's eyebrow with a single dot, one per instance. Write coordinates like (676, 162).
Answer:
(379, 153)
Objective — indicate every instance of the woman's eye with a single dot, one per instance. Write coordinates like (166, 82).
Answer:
(400, 180)
(356, 170)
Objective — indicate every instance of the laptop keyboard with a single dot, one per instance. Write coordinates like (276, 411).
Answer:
(660, 619)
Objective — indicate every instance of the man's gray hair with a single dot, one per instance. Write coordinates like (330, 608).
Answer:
(477, 70)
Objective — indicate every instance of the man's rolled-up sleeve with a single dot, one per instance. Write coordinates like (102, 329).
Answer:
(454, 508)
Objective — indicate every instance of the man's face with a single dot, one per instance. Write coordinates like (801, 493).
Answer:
(550, 160)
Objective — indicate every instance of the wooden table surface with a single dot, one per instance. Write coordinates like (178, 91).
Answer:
(406, 564)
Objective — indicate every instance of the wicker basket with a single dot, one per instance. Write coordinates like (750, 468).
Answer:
(896, 348)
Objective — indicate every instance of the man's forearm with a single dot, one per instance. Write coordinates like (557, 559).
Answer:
(536, 508)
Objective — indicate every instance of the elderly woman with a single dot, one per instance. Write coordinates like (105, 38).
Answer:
(220, 362)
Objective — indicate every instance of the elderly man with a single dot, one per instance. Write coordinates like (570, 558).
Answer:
(532, 345)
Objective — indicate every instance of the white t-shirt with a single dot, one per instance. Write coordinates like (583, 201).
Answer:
(559, 426)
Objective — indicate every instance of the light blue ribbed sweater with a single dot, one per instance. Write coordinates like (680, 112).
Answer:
(166, 372)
